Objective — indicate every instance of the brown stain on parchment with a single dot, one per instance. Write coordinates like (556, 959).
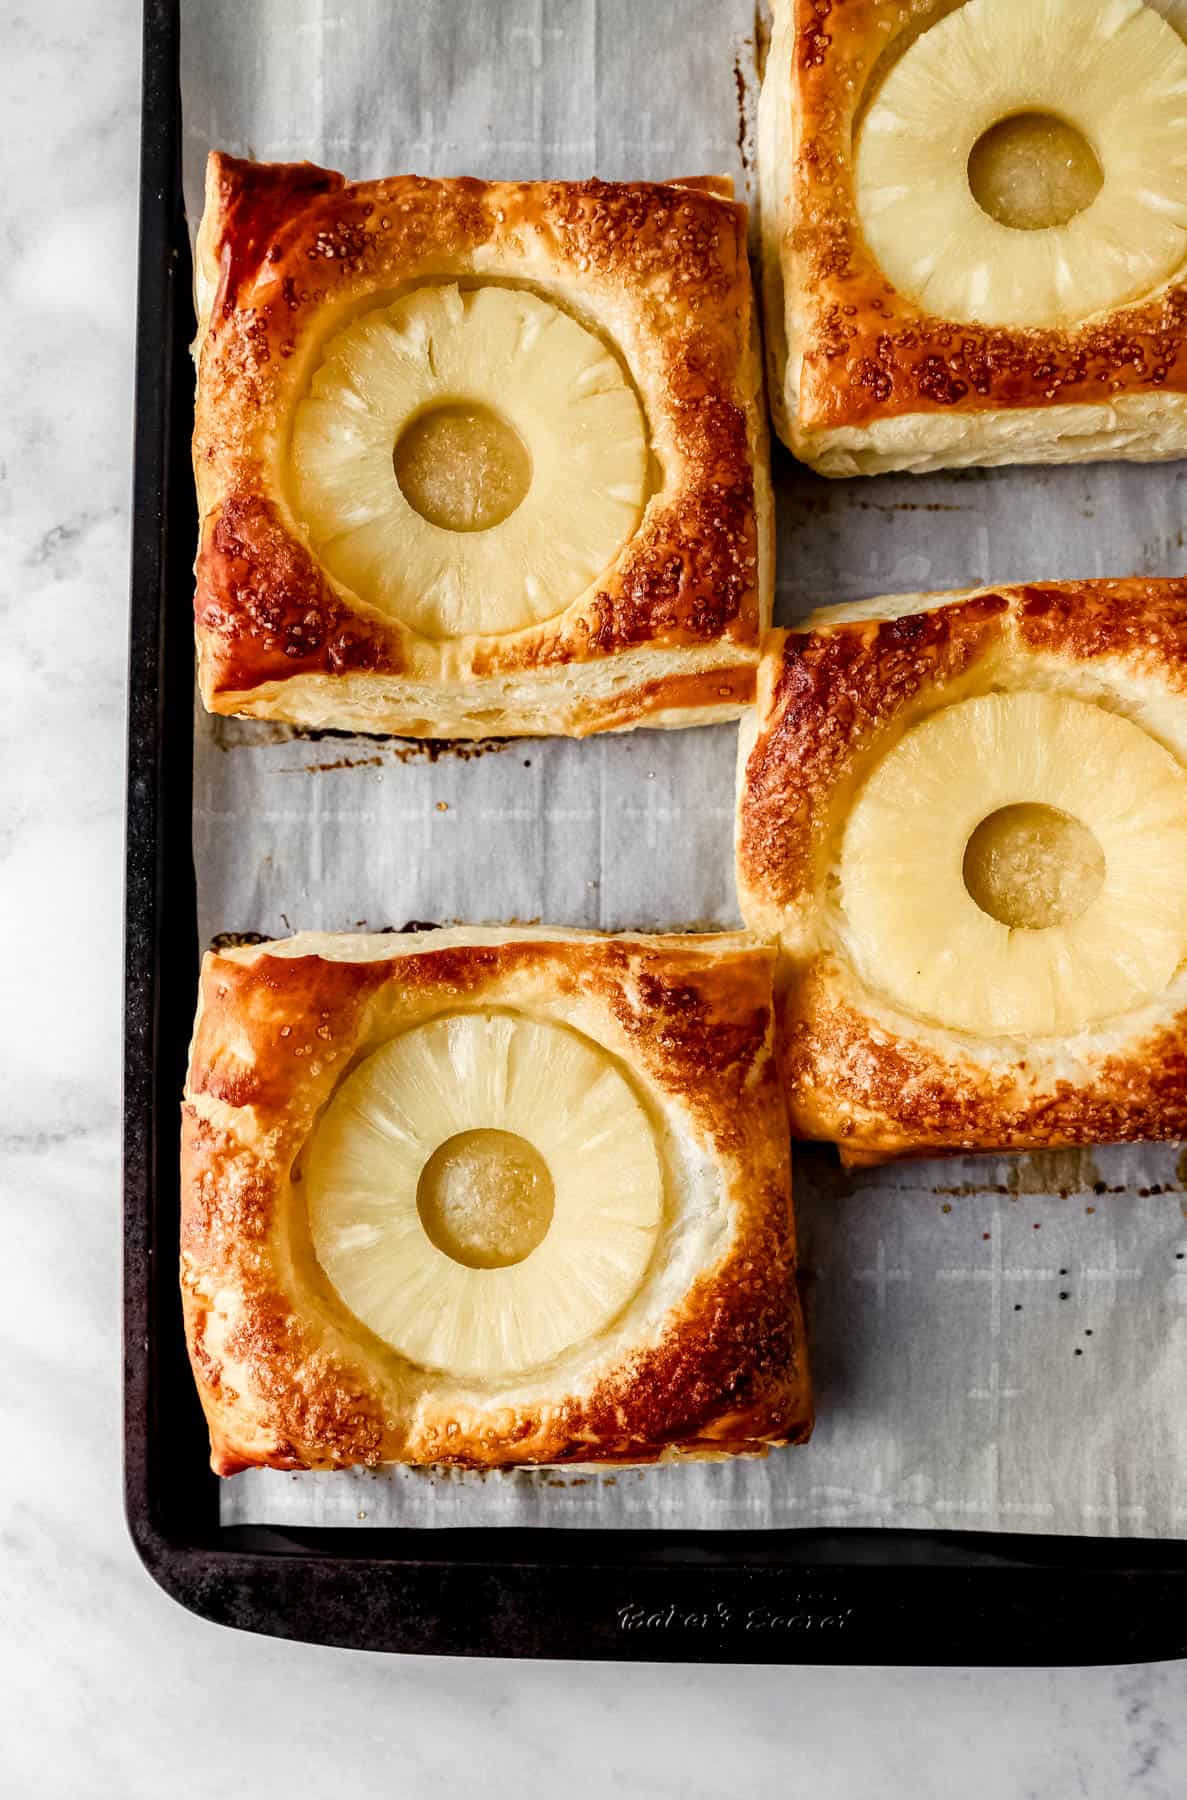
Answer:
(236, 940)
(373, 750)
(1061, 1172)
(1051, 1172)
(435, 750)
(343, 762)
(743, 135)
(762, 37)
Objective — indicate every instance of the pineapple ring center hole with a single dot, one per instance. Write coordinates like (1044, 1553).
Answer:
(1033, 866)
(1033, 170)
(486, 1198)
(461, 466)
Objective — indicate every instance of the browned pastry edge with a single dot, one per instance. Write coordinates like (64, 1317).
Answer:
(296, 1381)
(855, 1072)
(286, 247)
(265, 611)
(870, 352)
(823, 698)
(881, 1095)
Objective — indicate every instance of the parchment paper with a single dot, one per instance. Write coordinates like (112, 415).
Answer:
(998, 1343)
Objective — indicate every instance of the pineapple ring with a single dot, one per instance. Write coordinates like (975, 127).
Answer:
(492, 350)
(478, 1072)
(1112, 69)
(917, 934)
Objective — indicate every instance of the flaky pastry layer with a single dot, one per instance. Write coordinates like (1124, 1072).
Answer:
(667, 635)
(861, 379)
(833, 698)
(707, 1359)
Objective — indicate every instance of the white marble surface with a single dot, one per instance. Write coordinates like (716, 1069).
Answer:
(106, 1687)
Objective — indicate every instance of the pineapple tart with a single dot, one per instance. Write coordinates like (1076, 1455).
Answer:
(974, 224)
(963, 818)
(488, 1198)
(477, 458)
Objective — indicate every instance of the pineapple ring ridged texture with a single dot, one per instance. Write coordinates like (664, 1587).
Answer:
(555, 383)
(1114, 70)
(474, 1071)
(916, 933)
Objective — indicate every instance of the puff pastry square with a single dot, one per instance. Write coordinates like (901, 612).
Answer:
(974, 223)
(488, 1198)
(964, 819)
(477, 458)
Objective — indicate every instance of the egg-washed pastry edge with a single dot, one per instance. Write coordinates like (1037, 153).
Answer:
(861, 379)
(666, 636)
(289, 1379)
(834, 694)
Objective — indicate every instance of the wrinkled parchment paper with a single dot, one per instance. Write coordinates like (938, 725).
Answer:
(998, 1343)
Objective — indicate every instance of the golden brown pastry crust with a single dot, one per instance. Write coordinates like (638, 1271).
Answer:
(286, 254)
(290, 1379)
(861, 378)
(832, 699)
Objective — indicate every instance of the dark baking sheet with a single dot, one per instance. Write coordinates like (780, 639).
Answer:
(815, 1596)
